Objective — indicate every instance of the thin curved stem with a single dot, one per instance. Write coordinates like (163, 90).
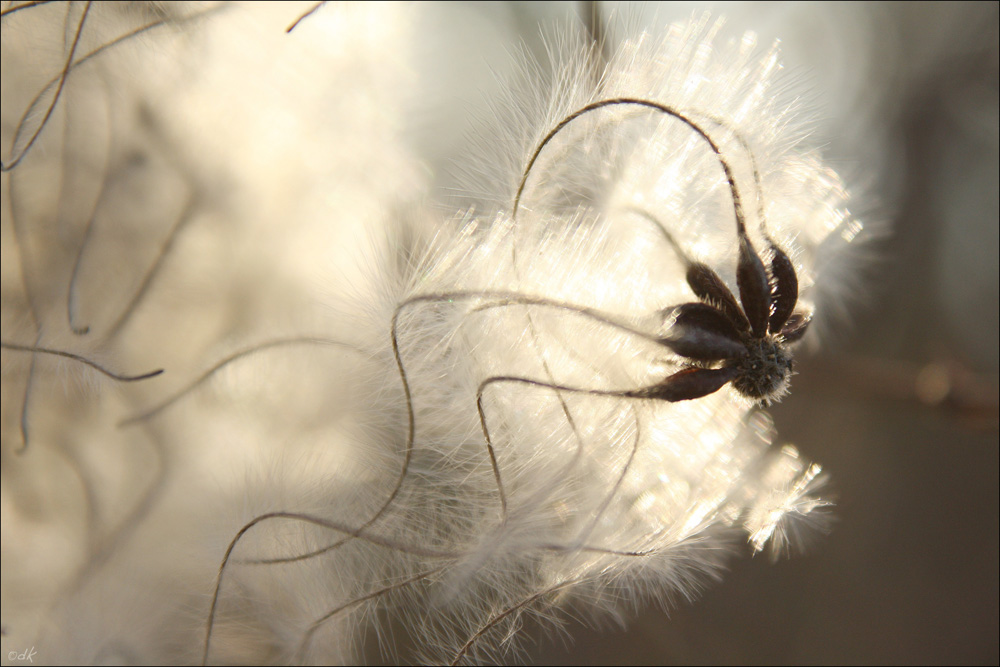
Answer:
(24, 5)
(686, 259)
(745, 145)
(16, 157)
(84, 243)
(407, 457)
(303, 17)
(83, 360)
(307, 638)
(543, 356)
(304, 340)
(598, 550)
(656, 106)
(490, 624)
(356, 533)
(120, 533)
(585, 534)
(25, 400)
(185, 216)
(500, 298)
(70, 67)
(485, 384)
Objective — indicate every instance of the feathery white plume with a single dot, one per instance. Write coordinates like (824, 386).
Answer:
(449, 439)
(600, 498)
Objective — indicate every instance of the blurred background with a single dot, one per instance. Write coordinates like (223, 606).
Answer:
(900, 404)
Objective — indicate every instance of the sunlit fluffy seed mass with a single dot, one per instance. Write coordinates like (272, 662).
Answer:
(381, 404)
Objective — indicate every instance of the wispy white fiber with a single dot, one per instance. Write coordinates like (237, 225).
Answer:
(356, 426)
